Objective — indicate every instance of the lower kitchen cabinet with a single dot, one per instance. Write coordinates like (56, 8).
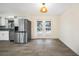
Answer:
(4, 35)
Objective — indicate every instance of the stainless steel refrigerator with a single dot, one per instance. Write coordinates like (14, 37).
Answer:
(23, 35)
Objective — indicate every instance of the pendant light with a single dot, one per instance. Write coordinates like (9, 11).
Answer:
(43, 9)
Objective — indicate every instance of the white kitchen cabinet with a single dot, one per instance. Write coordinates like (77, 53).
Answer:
(4, 35)
(2, 21)
(16, 22)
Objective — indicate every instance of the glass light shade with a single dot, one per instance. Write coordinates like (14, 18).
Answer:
(43, 9)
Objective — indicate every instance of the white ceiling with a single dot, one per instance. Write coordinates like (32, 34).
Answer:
(31, 8)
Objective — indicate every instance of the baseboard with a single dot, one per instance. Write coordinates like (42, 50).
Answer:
(68, 47)
(4, 40)
(43, 38)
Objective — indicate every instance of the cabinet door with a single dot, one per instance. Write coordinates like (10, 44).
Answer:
(4, 35)
(16, 23)
(3, 21)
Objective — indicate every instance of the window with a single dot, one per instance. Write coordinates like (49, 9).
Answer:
(43, 26)
(39, 26)
(48, 25)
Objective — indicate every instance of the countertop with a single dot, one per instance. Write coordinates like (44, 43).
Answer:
(3, 28)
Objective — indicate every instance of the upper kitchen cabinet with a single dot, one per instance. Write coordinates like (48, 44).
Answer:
(2, 21)
(16, 22)
(11, 20)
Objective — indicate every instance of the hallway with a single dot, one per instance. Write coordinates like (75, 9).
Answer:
(37, 47)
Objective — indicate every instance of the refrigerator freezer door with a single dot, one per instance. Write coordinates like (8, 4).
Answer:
(21, 37)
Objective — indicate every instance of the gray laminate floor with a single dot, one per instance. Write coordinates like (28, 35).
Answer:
(37, 47)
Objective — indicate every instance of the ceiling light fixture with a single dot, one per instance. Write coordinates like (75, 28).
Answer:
(44, 9)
